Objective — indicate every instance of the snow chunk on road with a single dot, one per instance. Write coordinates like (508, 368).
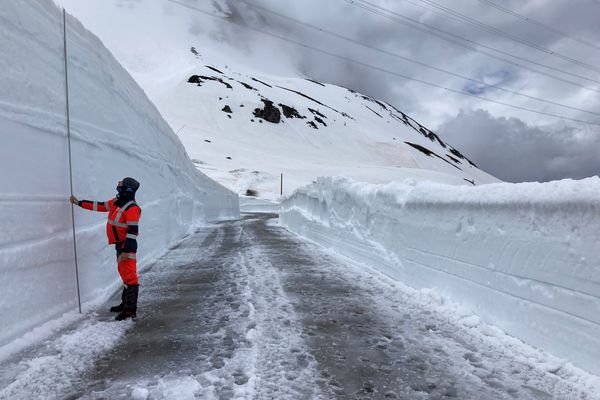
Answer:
(72, 354)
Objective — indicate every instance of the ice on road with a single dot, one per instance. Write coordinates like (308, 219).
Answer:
(244, 309)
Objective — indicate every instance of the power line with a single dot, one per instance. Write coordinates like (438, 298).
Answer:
(442, 34)
(407, 59)
(486, 27)
(374, 67)
(538, 23)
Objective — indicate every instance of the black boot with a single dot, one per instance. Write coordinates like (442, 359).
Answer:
(121, 306)
(129, 303)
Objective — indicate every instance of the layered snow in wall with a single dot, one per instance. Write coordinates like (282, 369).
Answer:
(524, 257)
(116, 132)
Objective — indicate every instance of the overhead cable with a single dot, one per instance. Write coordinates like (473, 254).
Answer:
(376, 68)
(413, 61)
(540, 24)
(459, 40)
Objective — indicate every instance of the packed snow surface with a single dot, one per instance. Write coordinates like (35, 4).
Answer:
(116, 132)
(246, 310)
(523, 257)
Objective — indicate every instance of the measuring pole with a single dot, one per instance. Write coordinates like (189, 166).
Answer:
(70, 162)
(281, 185)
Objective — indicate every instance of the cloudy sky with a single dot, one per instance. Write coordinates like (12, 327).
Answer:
(403, 51)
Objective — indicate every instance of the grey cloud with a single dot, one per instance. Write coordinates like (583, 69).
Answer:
(513, 151)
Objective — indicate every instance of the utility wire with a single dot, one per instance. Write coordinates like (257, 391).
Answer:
(458, 40)
(413, 61)
(374, 67)
(469, 20)
(538, 23)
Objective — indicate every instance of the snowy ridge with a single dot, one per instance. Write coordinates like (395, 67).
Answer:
(523, 257)
(116, 132)
(244, 128)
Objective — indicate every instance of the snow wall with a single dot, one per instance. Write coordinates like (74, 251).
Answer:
(116, 132)
(524, 257)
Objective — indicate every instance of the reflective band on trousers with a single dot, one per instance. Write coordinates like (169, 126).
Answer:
(131, 256)
(131, 236)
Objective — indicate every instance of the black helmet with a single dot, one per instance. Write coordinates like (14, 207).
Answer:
(130, 185)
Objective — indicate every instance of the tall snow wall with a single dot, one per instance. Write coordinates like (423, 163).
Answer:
(524, 257)
(116, 132)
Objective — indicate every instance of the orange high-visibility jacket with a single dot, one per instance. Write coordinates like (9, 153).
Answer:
(122, 224)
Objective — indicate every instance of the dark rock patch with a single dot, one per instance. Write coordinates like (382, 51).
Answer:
(430, 153)
(317, 113)
(199, 79)
(457, 161)
(313, 81)
(228, 116)
(229, 158)
(381, 104)
(207, 141)
(459, 155)
(227, 109)
(213, 68)
(290, 112)
(312, 124)
(374, 112)
(472, 182)
(259, 81)
(319, 120)
(244, 84)
(269, 112)
(194, 51)
(315, 100)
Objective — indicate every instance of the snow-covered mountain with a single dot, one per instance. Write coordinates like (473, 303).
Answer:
(246, 116)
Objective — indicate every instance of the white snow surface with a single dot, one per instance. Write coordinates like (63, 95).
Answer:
(116, 132)
(522, 257)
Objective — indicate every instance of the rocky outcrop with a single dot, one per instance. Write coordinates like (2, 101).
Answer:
(269, 112)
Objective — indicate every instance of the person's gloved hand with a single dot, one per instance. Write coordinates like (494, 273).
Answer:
(74, 200)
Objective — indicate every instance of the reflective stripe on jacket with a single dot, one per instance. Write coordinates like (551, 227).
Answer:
(122, 222)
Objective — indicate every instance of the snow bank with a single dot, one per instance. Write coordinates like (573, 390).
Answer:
(116, 132)
(524, 257)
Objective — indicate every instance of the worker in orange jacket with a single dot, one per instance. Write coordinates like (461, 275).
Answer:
(122, 230)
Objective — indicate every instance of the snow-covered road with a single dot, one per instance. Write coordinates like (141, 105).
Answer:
(244, 309)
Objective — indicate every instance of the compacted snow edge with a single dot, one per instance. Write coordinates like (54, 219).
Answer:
(521, 256)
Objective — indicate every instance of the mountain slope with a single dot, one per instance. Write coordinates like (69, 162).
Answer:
(303, 129)
(193, 67)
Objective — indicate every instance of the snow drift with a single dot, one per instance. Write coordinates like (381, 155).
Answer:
(522, 256)
(116, 132)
